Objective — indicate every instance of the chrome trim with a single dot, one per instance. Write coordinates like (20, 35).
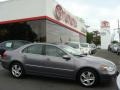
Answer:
(48, 67)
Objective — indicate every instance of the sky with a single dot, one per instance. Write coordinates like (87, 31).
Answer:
(94, 11)
(3, 0)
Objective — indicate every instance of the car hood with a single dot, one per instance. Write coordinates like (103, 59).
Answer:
(95, 59)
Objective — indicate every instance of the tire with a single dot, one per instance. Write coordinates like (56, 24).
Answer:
(17, 70)
(88, 77)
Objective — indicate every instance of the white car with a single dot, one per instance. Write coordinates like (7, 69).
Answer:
(85, 48)
(118, 82)
(75, 45)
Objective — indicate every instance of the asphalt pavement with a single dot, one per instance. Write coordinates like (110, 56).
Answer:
(45, 83)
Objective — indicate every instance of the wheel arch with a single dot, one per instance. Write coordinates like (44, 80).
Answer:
(86, 68)
(15, 61)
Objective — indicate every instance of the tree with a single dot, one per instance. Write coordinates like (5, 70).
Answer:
(114, 42)
(93, 37)
(89, 37)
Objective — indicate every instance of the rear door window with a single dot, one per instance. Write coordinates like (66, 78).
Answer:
(33, 49)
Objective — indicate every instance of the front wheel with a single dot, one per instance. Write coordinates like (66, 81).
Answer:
(17, 70)
(88, 77)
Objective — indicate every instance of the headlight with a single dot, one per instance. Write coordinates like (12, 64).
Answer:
(106, 68)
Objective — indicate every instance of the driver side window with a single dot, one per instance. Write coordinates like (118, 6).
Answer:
(54, 51)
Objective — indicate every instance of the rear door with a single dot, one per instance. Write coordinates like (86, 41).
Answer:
(34, 59)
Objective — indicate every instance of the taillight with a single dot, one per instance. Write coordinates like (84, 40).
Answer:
(3, 55)
(2, 52)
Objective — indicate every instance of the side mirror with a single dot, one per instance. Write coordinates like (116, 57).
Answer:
(66, 57)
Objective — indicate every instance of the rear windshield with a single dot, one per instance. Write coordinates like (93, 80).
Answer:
(73, 45)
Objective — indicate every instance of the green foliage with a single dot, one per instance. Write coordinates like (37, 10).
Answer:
(114, 42)
(89, 37)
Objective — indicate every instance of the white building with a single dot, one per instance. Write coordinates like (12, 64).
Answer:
(48, 21)
(105, 34)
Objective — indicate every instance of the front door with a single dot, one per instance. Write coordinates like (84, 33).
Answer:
(55, 63)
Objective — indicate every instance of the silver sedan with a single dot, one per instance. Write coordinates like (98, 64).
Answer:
(58, 61)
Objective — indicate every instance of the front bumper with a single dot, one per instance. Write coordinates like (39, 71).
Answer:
(107, 77)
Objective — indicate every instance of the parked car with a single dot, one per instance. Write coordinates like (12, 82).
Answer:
(57, 61)
(110, 47)
(114, 48)
(85, 48)
(118, 82)
(118, 49)
(75, 45)
(13, 44)
(93, 48)
(98, 46)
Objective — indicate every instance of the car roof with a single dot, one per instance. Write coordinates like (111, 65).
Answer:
(57, 45)
(72, 42)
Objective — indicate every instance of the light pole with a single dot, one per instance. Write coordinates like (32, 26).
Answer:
(119, 33)
(119, 30)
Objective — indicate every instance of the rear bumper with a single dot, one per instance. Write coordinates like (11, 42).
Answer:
(4, 64)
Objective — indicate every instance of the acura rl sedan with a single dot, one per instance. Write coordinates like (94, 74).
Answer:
(58, 61)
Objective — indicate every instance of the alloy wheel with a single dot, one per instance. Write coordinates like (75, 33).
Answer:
(87, 78)
(16, 70)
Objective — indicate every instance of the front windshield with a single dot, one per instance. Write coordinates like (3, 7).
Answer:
(71, 50)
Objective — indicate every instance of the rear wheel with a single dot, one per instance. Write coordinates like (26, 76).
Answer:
(88, 77)
(17, 70)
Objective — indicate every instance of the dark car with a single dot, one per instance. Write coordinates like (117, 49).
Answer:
(13, 44)
(57, 61)
(93, 48)
(114, 47)
(110, 47)
(118, 49)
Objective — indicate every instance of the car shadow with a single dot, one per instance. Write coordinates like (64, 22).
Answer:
(57, 81)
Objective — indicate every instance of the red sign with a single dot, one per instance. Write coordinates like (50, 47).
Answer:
(105, 24)
(62, 15)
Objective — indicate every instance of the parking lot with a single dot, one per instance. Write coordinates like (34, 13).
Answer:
(45, 83)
